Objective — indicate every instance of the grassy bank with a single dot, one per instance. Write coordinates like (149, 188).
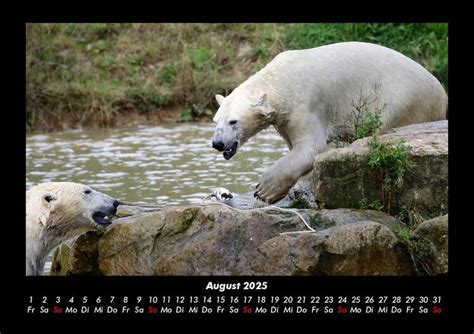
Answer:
(93, 75)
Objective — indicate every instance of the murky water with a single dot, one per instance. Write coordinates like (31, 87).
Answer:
(166, 165)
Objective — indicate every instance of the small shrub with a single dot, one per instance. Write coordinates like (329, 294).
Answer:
(390, 162)
(393, 159)
(368, 125)
(365, 119)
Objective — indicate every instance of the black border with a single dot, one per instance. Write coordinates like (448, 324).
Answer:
(14, 295)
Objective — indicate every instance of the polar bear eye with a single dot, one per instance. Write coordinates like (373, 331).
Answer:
(232, 122)
(88, 191)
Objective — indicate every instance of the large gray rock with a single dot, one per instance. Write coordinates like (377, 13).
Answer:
(342, 178)
(367, 248)
(435, 232)
(218, 240)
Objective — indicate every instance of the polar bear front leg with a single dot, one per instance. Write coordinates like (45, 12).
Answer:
(305, 133)
(278, 179)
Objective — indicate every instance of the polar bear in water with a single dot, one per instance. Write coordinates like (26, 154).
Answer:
(307, 95)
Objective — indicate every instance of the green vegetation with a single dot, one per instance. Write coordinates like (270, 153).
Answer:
(418, 247)
(299, 203)
(195, 112)
(365, 119)
(88, 75)
(369, 125)
(393, 158)
(375, 205)
(390, 161)
(366, 122)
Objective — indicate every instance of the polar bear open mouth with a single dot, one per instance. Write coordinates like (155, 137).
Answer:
(101, 218)
(230, 152)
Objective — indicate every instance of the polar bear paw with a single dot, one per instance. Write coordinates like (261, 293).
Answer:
(271, 189)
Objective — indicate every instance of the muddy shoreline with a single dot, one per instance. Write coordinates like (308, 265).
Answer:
(172, 115)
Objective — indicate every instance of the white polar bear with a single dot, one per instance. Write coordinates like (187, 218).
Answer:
(57, 211)
(308, 96)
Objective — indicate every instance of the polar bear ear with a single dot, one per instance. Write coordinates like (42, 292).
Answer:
(260, 101)
(264, 109)
(48, 202)
(219, 99)
(48, 199)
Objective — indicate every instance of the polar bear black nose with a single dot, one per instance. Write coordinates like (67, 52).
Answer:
(218, 145)
(116, 203)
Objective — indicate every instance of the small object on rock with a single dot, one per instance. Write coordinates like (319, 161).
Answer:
(222, 194)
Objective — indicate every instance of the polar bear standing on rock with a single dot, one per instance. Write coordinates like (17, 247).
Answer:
(308, 95)
(57, 211)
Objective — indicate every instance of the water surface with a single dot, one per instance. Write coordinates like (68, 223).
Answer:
(165, 165)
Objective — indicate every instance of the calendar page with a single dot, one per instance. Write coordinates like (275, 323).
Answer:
(234, 171)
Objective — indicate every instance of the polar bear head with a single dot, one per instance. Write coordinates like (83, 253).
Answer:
(58, 211)
(68, 208)
(240, 116)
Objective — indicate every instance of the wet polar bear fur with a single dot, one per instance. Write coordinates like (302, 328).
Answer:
(307, 95)
(57, 211)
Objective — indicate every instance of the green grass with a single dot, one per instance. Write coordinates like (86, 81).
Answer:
(89, 74)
